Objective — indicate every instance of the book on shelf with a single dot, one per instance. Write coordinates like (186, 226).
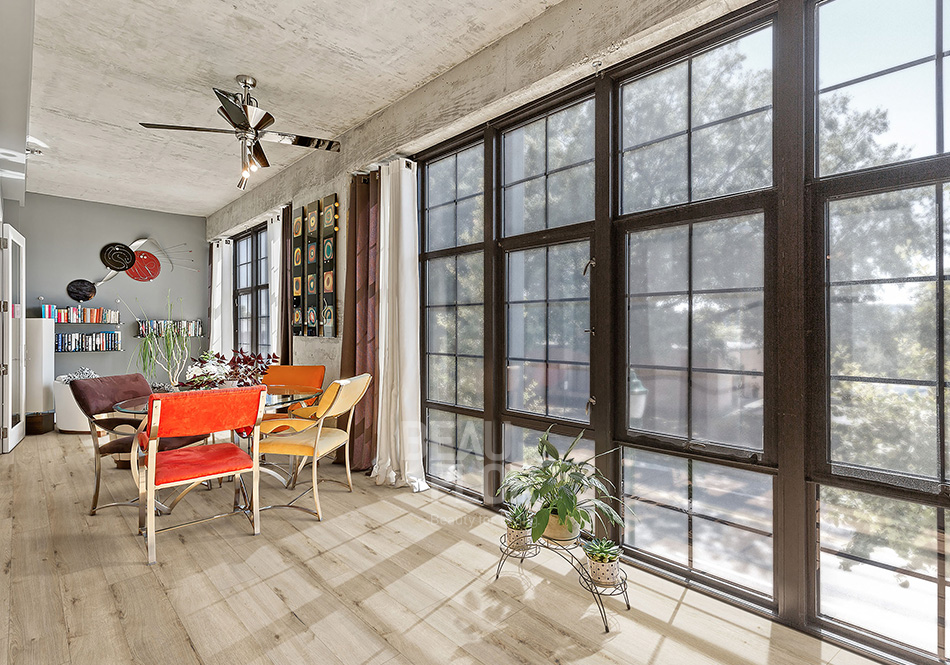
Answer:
(107, 340)
(160, 327)
(80, 314)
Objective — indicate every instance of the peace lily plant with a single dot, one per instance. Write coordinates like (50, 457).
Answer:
(555, 486)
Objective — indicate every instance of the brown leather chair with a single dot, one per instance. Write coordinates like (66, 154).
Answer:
(96, 398)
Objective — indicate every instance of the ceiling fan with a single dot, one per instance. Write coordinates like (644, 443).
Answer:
(248, 123)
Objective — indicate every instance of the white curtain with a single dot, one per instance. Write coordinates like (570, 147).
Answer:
(274, 254)
(399, 424)
(222, 297)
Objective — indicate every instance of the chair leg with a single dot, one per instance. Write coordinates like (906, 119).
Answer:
(346, 458)
(95, 491)
(150, 523)
(316, 496)
(142, 501)
(255, 498)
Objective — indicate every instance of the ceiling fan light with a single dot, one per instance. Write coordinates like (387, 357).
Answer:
(254, 166)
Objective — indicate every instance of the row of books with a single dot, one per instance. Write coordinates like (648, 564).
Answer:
(189, 328)
(110, 340)
(80, 314)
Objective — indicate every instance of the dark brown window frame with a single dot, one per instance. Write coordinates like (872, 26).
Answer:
(795, 441)
(254, 235)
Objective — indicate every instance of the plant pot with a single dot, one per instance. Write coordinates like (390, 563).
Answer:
(518, 539)
(604, 574)
(561, 534)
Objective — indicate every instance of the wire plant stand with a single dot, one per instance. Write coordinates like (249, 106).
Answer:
(523, 549)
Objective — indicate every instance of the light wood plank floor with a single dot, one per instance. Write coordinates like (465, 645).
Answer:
(387, 577)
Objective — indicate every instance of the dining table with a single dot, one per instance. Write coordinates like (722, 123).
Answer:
(276, 397)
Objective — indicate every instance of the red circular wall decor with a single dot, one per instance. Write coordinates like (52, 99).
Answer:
(146, 267)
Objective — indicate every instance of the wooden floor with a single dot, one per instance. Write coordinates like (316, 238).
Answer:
(387, 577)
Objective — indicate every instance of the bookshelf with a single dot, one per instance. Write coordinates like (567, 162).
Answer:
(160, 326)
(108, 341)
(80, 315)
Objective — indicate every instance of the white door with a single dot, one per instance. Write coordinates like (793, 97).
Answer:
(12, 337)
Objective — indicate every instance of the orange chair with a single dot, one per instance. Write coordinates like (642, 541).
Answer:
(310, 376)
(188, 414)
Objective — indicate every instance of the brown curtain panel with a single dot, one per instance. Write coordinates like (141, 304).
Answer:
(285, 343)
(360, 311)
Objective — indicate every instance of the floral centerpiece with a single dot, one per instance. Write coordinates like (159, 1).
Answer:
(213, 370)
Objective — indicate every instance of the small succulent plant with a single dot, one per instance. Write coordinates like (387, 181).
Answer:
(602, 550)
(518, 517)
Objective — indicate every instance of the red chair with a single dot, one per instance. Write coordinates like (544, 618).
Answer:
(187, 414)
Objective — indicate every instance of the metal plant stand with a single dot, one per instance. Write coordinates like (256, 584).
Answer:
(524, 549)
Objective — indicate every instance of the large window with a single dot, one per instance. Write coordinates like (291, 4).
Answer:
(455, 317)
(251, 294)
(730, 271)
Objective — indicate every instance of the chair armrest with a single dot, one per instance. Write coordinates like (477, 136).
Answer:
(112, 424)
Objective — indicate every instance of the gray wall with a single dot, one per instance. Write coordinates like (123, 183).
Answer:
(63, 239)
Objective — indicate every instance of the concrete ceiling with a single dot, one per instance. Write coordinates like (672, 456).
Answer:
(100, 67)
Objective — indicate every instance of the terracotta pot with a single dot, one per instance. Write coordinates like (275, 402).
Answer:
(561, 534)
(518, 539)
(604, 574)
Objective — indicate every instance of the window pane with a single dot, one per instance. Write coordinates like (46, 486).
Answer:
(733, 78)
(470, 382)
(471, 278)
(728, 253)
(525, 207)
(471, 171)
(727, 408)
(660, 330)
(471, 221)
(440, 333)
(441, 379)
(527, 331)
(441, 280)
(657, 521)
(441, 181)
(658, 260)
(735, 555)
(659, 397)
(879, 538)
(884, 426)
(527, 385)
(567, 339)
(880, 121)
(440, 444)
(656, 175)
(471, 325)
(884, 330)
(883, 236)
(734, 156)
(440, 227)
(655, 106)
(860, 37)
(568, 390)
(527, 275)
(571, 135)
(524, 152)
(565, 273)
(571, 196)
(727, 331)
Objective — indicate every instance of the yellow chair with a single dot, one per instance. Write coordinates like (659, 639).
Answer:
(306, 434)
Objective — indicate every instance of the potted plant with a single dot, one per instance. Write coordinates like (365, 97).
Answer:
(603, 558)
(518, 520)
(554, 486)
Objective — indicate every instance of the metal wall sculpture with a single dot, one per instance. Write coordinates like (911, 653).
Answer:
(329, 226)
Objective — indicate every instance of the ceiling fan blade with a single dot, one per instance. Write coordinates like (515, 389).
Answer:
(304, 141)
(233, 112)
(258, 154)
(258, 118)
(185, 128)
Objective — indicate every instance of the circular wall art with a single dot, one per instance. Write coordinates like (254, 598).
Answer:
(146, 267)
(81, 290)
(117, 256)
